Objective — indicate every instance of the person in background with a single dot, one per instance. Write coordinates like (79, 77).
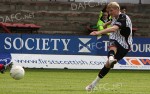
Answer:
(102, 19)
(2, 68)
(5, 62)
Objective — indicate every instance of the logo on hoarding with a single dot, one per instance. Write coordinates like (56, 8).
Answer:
(145, 61)
(137, 61)
(38, 44)
(133, 61)
(5, 58)
(84, 45)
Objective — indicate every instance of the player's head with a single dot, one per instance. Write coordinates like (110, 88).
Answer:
(113, 9)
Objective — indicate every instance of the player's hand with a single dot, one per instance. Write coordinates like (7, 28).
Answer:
(93, 33)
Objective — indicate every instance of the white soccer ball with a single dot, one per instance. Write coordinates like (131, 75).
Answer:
(17, 72)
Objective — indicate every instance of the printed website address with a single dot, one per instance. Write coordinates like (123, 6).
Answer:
(68, 62)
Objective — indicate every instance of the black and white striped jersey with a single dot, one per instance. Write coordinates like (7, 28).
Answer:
(124, 35)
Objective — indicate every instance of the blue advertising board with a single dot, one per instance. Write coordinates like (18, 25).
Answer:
(63, 44)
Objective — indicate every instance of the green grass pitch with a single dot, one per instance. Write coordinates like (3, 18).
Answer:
(56, 81)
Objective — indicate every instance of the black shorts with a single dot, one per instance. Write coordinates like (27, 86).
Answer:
(121, 52)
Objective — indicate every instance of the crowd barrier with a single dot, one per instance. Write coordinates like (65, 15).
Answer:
(72, 52)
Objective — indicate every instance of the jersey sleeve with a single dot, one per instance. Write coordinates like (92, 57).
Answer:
(121, 21)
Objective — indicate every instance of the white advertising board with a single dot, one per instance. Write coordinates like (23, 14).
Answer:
(76, 61)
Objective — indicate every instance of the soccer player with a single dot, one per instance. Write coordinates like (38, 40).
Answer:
(120, 40)
(5, 61)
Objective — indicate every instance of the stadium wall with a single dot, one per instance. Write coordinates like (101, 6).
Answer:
(68, 17)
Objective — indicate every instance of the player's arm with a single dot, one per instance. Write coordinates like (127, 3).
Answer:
(105, 31)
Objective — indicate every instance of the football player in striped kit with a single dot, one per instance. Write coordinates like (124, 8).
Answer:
(120, 40)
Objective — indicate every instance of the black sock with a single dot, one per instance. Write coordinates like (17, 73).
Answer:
(103, 72)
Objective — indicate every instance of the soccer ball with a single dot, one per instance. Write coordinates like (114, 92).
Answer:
(17, 72)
